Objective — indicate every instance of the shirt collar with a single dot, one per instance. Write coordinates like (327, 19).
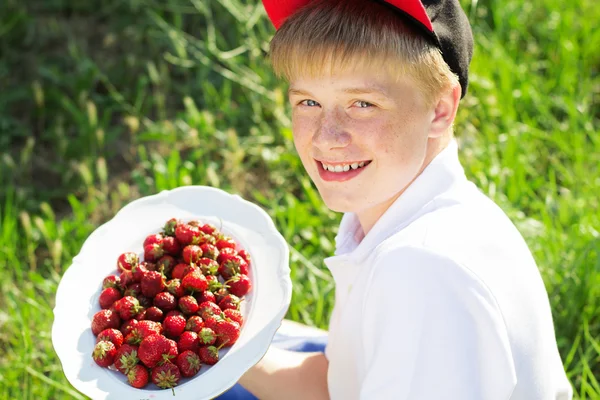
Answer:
(443, 172)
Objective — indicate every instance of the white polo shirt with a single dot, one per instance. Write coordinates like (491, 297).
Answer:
(441, 300)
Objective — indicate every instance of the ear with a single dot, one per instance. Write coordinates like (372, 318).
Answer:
(445, 112)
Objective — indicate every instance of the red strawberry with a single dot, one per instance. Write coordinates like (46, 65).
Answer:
(138, 376)
(239, 285)
(205, 296)
(111, 281)
(186, 233)
(153, 252)
(207, 239)
(153, 350)
(165, 265)
(155, 238)
(209, 355)
(148, 328)
(141, 315)
(209, 229)
(188, 305)
(180, 270)
(173, 351)
(234, 315)
(221, 293)
(174, 287)
(128, 307)
(154, 314)
(188, 363)
(169, 228)
(194, 282)
(126, 278)
(139, 270)
(165, 301)
(191, 253)
(226, 242)
(149, 266)
(208, 266)
(134, 337)
(188, 341)
(126, 358)
(213, 283)
(211, 322)
(134, 289)
(208, 309)
(233, 265)
(207, 336)
(171, 246)
(228, 332)
(224, 253)
(105, 319)
(209, 251)
(104, 353)
(152, 283)
(128, 326)
(111, 335)
(144, 301)
(174, 326)
(166, 376)
(230, 301)
(126, 261)
(245, 255)
(174, 313)
(194, 324)
(108, 297)
(142, 330)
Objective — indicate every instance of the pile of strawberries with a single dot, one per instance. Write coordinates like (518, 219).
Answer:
(165, 316)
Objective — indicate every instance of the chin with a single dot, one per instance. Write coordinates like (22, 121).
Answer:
(339, 203)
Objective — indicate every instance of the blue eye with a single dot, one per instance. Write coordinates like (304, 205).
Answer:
(363, 104)
(309, 103)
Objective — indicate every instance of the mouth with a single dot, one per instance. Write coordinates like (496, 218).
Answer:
(341, 172)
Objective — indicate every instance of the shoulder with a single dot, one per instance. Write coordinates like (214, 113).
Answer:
(434, 284)
(466, 238)
(414, 266)
(434, 292)
(429, 311)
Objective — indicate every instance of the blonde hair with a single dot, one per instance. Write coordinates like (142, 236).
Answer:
(348, 35)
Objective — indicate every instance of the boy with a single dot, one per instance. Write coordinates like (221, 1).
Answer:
(437, 294)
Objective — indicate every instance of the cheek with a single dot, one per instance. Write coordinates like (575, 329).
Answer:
(394, 143)
(375, 135)
(302, 132)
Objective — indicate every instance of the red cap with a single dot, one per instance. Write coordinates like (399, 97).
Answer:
(279, 10)
(443, 21)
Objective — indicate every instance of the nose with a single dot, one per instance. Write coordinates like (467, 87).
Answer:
(331, 132)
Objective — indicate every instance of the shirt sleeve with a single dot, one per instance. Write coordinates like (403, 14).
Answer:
(433, 330)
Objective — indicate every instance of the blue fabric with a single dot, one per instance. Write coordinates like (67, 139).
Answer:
(293, 343)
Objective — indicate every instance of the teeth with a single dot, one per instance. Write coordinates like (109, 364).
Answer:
(342, 167)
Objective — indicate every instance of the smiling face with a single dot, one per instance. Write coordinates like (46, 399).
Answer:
(367, 118)
(373, 101)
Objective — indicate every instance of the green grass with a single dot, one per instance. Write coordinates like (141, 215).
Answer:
(105, 101)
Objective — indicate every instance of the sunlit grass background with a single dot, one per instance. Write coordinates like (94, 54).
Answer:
(102, 102)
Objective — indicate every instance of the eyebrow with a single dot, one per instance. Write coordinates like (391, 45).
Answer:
(369, 90)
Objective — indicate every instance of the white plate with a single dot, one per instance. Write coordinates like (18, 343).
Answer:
(79, 289)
